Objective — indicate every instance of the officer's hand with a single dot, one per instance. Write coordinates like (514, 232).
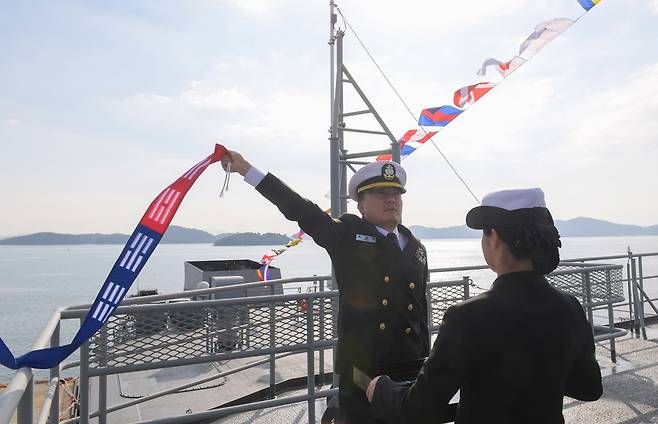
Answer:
(371, 388)
(238, 163)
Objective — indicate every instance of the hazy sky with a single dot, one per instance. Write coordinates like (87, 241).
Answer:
(103, 104)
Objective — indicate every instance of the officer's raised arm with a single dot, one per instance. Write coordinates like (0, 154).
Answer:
(310, 217)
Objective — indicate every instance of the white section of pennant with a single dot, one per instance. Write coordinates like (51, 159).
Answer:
(137, 237)
(139, 261)
(196, 169)
(120, 295)
(107, 290)
(156, 204)
(168, 210)
(97, 310)
(114, 293)
(163, 203)
(106, 310)
(136, 252)
(148, 244)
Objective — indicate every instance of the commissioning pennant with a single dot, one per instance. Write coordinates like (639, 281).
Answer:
(135, 254)
(468, 95)
(409, 142)
(438, 116)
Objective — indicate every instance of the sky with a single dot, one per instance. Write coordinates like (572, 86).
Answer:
(104, 104)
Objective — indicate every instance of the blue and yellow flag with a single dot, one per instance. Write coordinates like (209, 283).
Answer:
(588, 4)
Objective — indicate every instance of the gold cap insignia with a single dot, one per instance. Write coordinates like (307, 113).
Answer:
(388, 172)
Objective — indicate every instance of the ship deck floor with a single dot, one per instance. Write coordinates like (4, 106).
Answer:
(630, 389)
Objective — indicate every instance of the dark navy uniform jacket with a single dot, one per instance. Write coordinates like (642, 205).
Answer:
(383, 309)
(514, 351)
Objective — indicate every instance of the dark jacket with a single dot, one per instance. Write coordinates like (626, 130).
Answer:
(383, 309)
(514, 351)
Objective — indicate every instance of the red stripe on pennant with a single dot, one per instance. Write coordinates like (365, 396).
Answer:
(159, 214)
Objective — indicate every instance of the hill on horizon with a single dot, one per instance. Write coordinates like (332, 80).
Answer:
(253, 239)
(174, 234)
(576, 227)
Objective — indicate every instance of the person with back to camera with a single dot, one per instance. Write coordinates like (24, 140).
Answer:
(381, 271)
(514, 351)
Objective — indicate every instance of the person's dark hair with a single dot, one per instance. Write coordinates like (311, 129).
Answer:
(539, 243)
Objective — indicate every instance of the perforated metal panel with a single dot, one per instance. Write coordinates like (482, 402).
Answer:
(169, 334)
(441, 298)
(604, 285)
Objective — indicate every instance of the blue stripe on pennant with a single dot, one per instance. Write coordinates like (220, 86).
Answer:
(132, 259)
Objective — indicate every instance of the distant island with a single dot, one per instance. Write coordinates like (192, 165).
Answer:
(173, 235)
(253, 239)
(577, 227)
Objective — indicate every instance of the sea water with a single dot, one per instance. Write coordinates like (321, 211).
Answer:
(36, 280)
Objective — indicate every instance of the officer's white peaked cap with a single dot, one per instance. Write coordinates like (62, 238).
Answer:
(378, 174)
(524, 207)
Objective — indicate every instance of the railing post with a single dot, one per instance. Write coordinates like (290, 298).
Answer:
(83, 388)
(611, 319)
(631, 315)
(587, 297)
(467, 292)
(321, 352)
(335, 310)
(310, 359)
(101, 353)
(639, 313)
(647, 299)
(642, 293)
(26, 404)
(430, 305)
(54, 373)
(272, 345)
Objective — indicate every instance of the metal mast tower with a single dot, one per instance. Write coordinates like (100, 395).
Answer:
(341, 160)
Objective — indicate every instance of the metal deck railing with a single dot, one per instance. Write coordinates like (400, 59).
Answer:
(144, 334)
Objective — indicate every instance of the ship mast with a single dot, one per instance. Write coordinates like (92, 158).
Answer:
(340, 160)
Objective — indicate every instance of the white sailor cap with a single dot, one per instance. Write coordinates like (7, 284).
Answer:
(510, 208)
(378, 174)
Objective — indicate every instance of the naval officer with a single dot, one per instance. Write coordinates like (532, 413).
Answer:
(514, 351)
(381, 272)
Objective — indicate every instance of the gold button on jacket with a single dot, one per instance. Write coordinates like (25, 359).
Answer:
(382, 326)
(410, 307)
(407, 330)
(387, 279)
(412, 286)
(385, 302)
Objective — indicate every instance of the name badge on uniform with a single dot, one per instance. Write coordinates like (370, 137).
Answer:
(366, 238)
(421, 255)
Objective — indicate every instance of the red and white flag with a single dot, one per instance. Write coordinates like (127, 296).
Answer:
(503, 68)
(471, 93)
(544, 33)
(409, 142)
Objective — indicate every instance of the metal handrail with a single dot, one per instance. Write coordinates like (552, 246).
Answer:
(219, 304)
(14, 397)
(204, 292)
(23, 379)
